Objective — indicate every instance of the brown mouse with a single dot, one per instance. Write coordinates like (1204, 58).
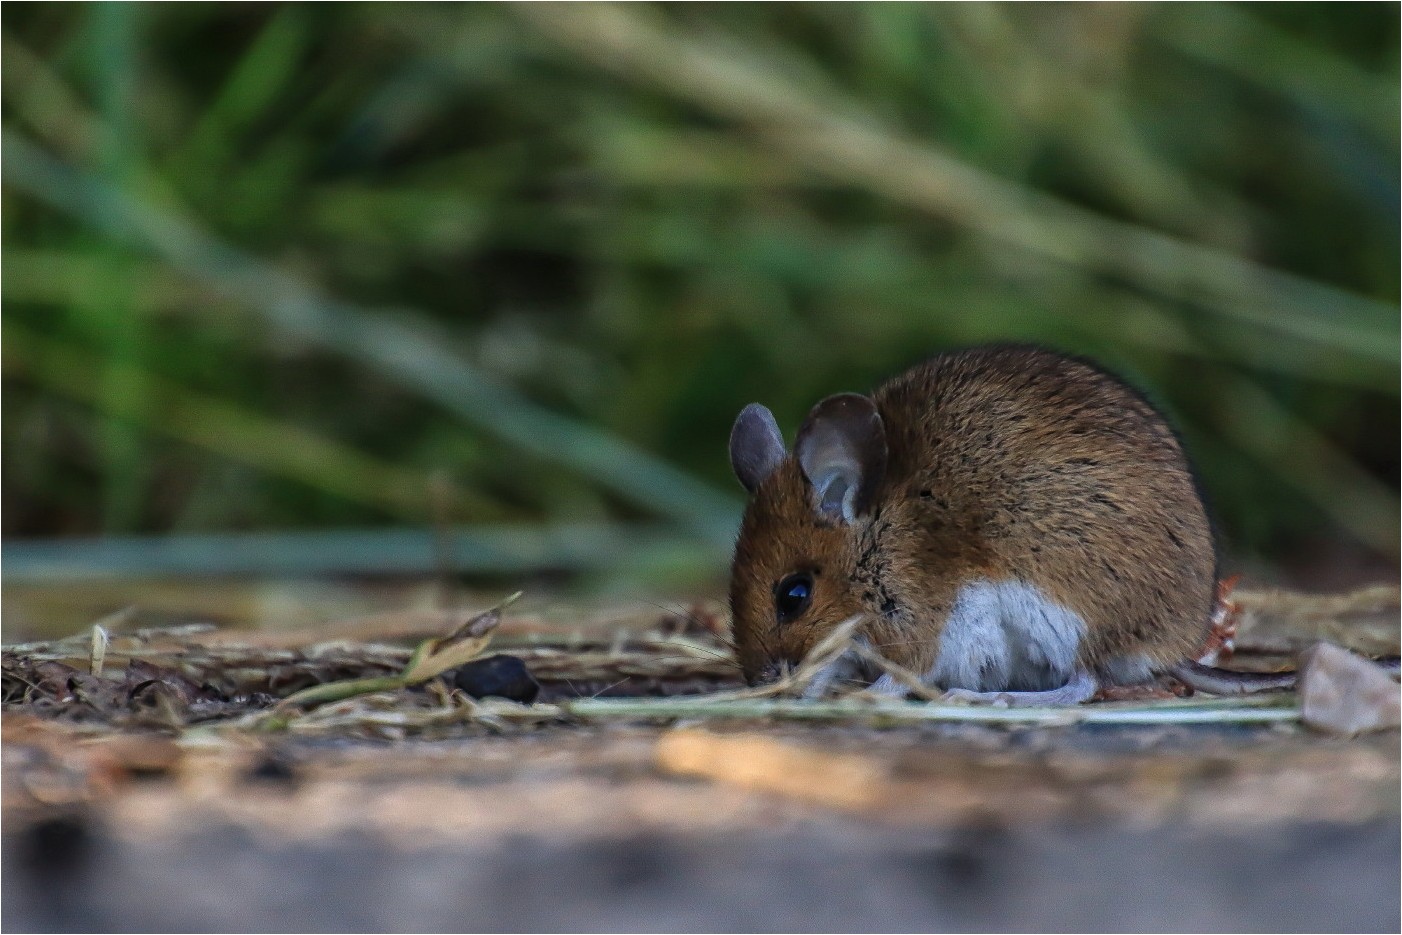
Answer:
(1010, 523)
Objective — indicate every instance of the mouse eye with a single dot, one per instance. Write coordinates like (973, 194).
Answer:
(792, 595)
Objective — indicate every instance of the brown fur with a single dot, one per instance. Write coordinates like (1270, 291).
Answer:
(1005, 462)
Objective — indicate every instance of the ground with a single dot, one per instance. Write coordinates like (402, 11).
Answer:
(684, 824)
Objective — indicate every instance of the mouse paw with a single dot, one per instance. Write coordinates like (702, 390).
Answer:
(992, 699)
(888, 687)
(1080, 689)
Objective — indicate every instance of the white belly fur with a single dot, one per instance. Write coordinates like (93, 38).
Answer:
(1006, 636)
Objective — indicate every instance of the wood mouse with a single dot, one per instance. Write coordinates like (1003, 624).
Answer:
(1011, 523)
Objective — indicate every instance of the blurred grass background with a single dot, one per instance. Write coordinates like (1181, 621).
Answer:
(317, 267)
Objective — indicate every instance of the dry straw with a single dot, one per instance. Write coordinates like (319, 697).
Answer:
(360, 689)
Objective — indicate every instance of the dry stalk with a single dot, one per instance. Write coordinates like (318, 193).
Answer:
(828, 650)
(856, 709)
(261, 668)
(912, 682)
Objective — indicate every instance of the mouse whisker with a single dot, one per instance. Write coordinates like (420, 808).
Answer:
(683, 613)
(607, 687)
(727, 650)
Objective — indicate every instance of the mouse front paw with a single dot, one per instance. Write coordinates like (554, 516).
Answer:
(993, 699)
(888, 687)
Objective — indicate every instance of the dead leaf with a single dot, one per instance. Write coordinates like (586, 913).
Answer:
(464, 644)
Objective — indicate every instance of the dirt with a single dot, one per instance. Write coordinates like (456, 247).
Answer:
(137, 802)
(588, 828)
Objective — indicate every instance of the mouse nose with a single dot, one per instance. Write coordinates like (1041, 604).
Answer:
(775, 670)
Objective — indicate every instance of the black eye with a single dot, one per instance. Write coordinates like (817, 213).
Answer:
(792, 595)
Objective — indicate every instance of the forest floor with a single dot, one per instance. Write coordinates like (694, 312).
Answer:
(131, 801)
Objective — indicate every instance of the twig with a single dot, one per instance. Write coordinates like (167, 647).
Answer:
(912, 682)
(1237, 711)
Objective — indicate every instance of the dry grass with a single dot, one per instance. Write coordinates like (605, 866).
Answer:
(187, 678)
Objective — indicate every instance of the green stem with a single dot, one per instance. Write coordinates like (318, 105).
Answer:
(340, 691)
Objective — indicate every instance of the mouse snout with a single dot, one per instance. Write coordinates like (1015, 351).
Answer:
(773, 670)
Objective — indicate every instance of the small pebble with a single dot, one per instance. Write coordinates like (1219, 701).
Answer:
(1343, 693)
(272, 768)
(497, 676)
(57, 848)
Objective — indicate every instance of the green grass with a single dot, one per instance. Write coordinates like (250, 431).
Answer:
(278, 266)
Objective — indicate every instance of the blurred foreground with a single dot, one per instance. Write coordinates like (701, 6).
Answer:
(965, 829)
(639, 791)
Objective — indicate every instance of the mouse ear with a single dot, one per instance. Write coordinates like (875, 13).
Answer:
(842, 450)
(756, 446)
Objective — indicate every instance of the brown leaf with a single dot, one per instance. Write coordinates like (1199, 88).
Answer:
(465, 643)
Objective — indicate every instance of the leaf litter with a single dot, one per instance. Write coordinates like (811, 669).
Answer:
(681, 668)
(647, 726)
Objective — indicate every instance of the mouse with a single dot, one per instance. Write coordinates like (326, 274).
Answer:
(1012, 524)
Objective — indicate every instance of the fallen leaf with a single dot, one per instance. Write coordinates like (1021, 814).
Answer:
(464, 644)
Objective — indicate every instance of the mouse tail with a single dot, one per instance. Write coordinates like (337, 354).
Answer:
(1214, 681)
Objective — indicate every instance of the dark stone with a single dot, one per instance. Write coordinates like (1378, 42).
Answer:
(57, 847)
(497, 676)
(272, 769)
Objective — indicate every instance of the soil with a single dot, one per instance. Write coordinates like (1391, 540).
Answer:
(129, 805)
(589, 829)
